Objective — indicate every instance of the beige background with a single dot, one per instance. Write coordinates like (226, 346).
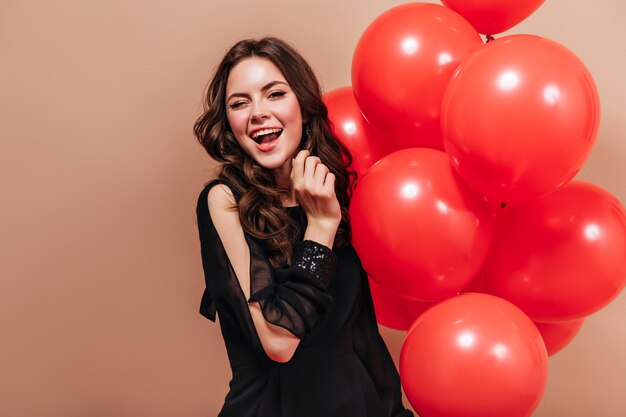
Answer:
(100, 272)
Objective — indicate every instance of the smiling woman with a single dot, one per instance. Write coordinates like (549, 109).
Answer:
(294, 302)
(267, 84)
(264, 114)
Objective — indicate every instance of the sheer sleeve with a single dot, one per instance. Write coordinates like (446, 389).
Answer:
(373, 353)
(292, 296)
(298, 293)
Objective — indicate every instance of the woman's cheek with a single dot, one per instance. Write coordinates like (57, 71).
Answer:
(239, 124)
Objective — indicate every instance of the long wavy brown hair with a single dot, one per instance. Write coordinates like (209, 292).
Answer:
(260, 208)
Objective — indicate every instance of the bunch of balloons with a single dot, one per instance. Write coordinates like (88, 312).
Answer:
(465, 216)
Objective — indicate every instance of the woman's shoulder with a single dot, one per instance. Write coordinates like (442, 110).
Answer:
(220, 195)
(228, 191)
(216, 181)
(216, 201)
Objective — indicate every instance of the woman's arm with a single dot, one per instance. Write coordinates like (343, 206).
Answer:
(278, 343)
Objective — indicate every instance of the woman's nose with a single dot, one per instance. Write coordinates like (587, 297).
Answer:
(259, 111)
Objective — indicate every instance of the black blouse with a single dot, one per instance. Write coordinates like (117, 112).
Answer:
(341, 366)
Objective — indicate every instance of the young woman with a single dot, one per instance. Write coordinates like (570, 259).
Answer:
(293, 300)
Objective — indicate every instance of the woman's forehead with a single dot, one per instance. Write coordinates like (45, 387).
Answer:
(253, 73)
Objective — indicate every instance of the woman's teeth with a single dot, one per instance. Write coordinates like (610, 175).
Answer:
(266, 135)
(264, 132)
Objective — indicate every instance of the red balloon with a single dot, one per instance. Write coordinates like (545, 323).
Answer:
(473, 355)
(417, 227)
(562, 257)
(493, 16)
(520, 117)
(401, 67)
(558, 335)
(475, 284)
(393, 310)
(355, 133)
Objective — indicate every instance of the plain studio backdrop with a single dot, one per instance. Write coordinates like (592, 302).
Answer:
(100, 271)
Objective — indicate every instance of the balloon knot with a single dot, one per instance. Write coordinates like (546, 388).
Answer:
(489, 38)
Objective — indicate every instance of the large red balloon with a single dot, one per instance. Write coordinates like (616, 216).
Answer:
(473, 355)
(418, 229)
(394, 310)
(355, 133)
(401, 66)
(493, 16)
(520, 117)
(562, 257)
(558, 335)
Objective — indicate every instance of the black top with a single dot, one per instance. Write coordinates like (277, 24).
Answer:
(341, 366)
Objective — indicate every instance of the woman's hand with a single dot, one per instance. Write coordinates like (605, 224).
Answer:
(314, 187)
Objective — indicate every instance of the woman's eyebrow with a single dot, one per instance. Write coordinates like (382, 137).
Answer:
(264, 89)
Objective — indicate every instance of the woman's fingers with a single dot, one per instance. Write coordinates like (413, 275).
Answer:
(321, 171)
(310, 175)
(309, 169)
(329, 184)
(297, 169)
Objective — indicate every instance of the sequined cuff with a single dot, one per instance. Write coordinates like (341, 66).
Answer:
(316, 261)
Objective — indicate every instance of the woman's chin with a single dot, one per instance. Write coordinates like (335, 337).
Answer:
(270, 164)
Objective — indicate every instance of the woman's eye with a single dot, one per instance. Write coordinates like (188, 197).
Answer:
(275, 94)
(236, 104)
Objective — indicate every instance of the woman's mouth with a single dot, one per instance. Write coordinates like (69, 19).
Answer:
(266, 139)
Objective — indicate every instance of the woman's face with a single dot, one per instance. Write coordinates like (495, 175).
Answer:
(264, 114)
